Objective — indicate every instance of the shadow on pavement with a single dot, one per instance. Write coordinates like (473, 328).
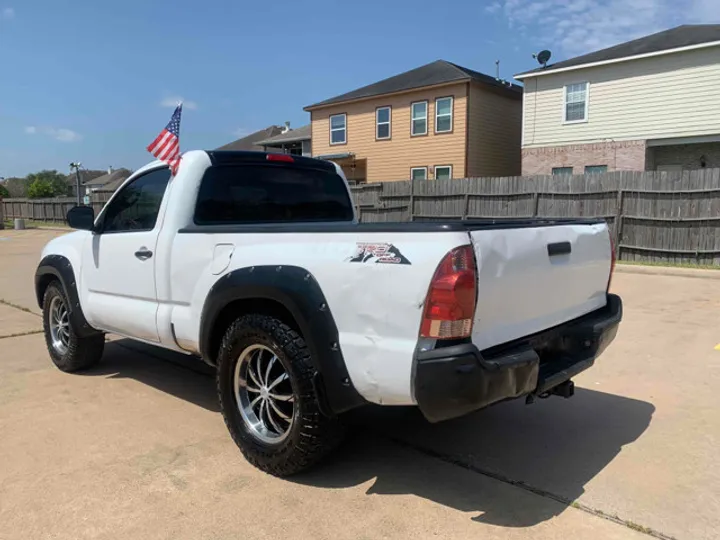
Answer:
(182, 376)
(554, 445)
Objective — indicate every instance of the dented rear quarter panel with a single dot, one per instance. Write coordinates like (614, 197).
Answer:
(377, 306)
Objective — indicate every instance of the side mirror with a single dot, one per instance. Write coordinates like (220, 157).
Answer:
(81, 217)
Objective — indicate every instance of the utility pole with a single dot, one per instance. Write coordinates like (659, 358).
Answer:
(76, 165)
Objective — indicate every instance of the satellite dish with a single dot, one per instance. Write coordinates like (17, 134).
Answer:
(543, 57)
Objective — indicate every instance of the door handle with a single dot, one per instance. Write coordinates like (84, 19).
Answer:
(143, 253)
(559, 248)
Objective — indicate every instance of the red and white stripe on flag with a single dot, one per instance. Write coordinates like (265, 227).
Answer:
(166, 146)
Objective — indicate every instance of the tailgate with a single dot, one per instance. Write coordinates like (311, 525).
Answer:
(534, 277)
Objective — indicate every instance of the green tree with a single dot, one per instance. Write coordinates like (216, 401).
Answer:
(4, 193)
(40, 189)
(57, 181)
(16, 186)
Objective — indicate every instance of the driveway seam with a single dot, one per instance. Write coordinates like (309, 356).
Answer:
(26, 310)
(529, 488)
(20, 334)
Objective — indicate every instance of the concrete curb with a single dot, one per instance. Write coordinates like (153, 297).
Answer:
(667, 271)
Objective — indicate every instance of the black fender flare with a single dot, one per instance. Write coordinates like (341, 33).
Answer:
(298, 292)
(59, 267)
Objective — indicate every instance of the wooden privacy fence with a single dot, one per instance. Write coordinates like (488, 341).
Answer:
(654, 217)
(53, 210)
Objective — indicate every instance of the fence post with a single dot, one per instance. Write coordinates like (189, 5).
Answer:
(619, 222)
(466, 205)
(412, 200)
(536, 203)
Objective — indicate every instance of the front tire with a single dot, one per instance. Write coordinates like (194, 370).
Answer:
(68, 351)
(264, 383)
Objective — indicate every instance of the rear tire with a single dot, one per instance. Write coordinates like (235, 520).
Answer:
(68, 351)
(267, 398)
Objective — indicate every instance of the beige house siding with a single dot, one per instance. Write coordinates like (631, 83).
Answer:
(494, 133)
(392, 159)
(675, 95)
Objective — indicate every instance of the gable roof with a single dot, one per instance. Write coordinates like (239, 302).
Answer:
(438, 72)
(106, 179)
(294, 135)
(687, 35)
(250, 142)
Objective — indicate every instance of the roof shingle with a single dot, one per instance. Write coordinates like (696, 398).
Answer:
(438, 72)
(294, 135)
(250, 142)
(680, 36)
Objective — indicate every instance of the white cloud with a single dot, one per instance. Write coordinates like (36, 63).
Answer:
(494, 7)
(59, 134)
(7, 13)
(172, 101)
(65, 135)
(574, 27)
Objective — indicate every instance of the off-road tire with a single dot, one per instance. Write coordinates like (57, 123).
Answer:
(82, 352)
(312, 434)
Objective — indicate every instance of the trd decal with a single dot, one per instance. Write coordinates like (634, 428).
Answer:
(377, 253)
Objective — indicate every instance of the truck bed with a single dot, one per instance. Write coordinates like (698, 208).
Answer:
(393, 227)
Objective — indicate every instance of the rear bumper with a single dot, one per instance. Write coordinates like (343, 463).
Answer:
(456, 380)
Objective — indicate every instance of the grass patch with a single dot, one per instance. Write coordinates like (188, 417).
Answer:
(671, 265)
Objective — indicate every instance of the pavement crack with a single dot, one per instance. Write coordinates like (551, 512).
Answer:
(20, 334)
(527, 487)
(16, 306)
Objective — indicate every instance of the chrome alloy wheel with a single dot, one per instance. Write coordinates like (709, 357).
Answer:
(264, 394)
(59, 321)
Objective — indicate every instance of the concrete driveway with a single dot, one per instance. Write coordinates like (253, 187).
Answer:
(136, 448)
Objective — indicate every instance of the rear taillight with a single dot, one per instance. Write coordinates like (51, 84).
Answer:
(450, 302)
(612, 261)
(287, 158)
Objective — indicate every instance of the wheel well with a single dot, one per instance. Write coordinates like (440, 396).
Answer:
(238, 308)
(43, 283)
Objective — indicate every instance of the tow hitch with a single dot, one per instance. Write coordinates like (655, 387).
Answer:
(565, 389)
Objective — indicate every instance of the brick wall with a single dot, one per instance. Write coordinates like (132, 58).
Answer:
(686, 155)
(618, 156)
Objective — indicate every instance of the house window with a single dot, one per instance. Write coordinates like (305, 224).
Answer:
(443, 172)
(418, 173)
(443, 115)
(595, 169)
(576, 102)
(560, 171)
(338, 131)
(419, 118)
(382, 123)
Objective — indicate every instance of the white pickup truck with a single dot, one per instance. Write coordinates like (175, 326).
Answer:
(256, 263)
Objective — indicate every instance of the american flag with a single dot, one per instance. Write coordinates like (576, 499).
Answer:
(166, 146)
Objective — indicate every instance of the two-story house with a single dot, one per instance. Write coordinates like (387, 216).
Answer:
(436, 121)
(648, 104)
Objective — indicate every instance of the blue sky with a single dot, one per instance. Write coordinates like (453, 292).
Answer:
(95, 81)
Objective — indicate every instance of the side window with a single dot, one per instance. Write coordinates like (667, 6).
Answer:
(418, 123)
(137, 205)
